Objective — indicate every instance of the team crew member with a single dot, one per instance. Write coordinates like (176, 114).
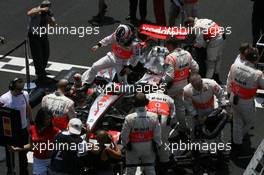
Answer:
(176, 6)
(200, 96)
(133, 11)
(191, 8)
(40, 16)
(101, 10)
(65, 159)
(124, 52)
(41, 133)
(61, 107)
(140, 134)
(108, 152)
(159, 11)
(18, 99)
(244, 47)
(242, 83)
(210, 36)
(163, 105)
(179, 64)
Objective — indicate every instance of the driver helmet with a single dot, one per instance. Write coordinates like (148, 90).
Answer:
(124, 35)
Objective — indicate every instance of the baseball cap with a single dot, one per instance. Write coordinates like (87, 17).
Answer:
(75, 126)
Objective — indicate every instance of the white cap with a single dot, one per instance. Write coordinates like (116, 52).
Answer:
(75, 126)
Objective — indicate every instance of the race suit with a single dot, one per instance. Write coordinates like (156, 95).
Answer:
(141, 130)
(163, 105)
(119, 57)
(179, 65)
(191, 8)
(61, 107)
(242, 84)
(202, 103)
(238, 59)
(210, 36)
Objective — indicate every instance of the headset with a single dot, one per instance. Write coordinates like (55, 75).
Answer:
(12, 84)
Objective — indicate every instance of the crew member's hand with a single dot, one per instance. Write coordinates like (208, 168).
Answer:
(13, 148)
(94, 48)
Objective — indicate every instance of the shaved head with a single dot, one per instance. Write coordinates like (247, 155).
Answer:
(196, 81)
(141, 100)
(62, 83)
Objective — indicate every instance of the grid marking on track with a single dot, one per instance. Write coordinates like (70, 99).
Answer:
(19, 62)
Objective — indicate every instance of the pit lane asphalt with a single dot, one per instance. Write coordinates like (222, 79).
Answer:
(75, 50)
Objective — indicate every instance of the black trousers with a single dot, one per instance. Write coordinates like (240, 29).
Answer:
(22, 156)
(257, 28)
(40, 52)
(133, 9)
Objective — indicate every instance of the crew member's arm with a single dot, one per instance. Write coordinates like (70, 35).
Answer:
(172, 112)
(194, 65)
(229, 81)
(51, 19)
(37, 10)
(26, 147)
(169, 70)
(126, 131)
(219, 93)
(188, 102)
